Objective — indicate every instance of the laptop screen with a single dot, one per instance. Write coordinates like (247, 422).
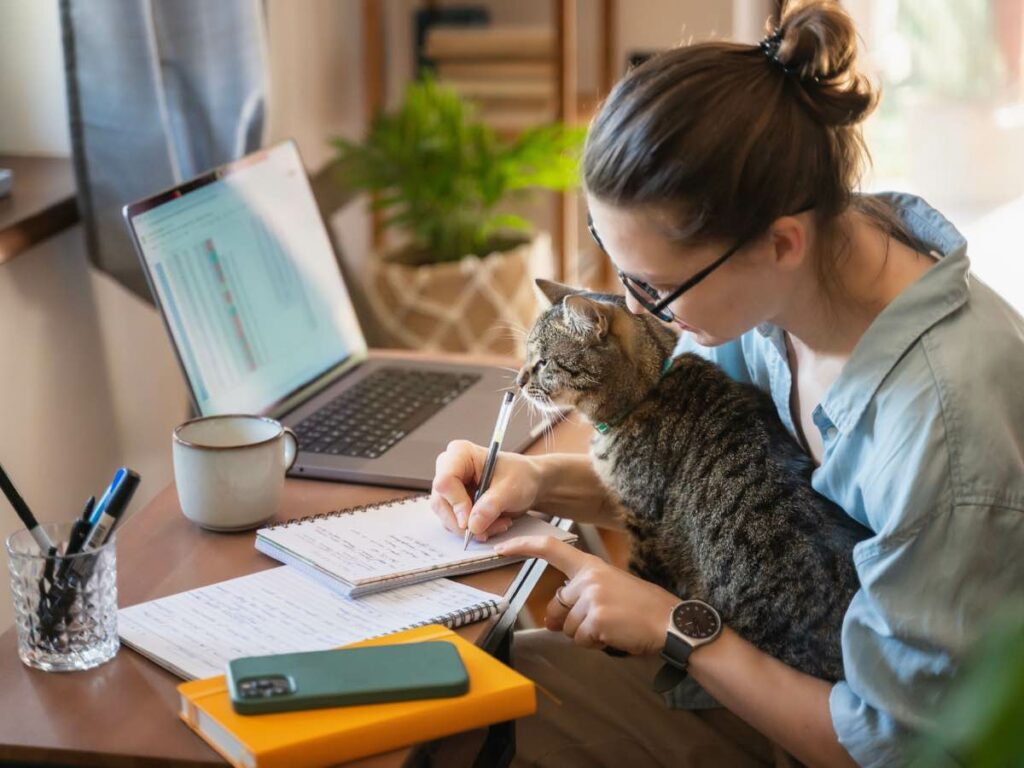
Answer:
(247, 280)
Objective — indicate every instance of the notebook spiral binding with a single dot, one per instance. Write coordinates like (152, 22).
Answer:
(456, 619)
(348, 511)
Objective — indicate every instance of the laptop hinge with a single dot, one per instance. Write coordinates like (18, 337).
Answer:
(318, 385)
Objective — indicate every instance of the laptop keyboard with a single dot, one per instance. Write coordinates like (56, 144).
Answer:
(371, 416)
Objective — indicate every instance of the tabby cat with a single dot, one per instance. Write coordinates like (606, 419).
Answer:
(716, 492)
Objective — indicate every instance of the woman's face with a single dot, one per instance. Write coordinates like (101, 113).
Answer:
(747, 289)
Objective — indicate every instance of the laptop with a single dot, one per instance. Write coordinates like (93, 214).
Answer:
(242, 269)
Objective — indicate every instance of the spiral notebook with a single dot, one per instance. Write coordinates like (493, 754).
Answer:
(194, 634)
(376, 547)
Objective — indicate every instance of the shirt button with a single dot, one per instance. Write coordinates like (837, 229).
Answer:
(831, 433)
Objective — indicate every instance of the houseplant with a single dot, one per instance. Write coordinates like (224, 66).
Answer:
(459, 272)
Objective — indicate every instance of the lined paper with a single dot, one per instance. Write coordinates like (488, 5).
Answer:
(383, 544)
(194, 634)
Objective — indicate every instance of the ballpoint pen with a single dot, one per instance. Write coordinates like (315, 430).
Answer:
(492, 456)
(79, 530)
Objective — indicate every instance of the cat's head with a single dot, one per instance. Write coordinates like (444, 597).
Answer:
(589, 352)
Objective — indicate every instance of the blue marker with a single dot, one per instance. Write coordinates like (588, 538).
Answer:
(101, 505)
(117, 498)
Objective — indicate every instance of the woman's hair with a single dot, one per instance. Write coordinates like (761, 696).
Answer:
(730, 137)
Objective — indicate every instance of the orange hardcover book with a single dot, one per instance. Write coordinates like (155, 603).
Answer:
(324, 737)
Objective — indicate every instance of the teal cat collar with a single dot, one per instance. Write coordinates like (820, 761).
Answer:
(604, 426)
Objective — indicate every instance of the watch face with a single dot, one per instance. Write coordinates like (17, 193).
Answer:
(696, 619)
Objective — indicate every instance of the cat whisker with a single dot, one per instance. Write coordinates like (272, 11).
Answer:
(512, 325)
(549, 424)
(510, 333)
(537, 416)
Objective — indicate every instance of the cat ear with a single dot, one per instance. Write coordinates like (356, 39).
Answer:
(555, 292)
(585, 316)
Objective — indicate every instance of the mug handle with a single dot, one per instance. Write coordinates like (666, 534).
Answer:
(291, 448)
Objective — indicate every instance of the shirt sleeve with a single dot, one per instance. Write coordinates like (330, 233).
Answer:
(925, 596)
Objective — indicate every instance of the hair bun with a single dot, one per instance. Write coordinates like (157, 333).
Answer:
(818, 42)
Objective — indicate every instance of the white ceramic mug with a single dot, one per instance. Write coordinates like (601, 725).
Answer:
(229, 470)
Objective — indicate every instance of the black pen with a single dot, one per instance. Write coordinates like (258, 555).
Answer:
(21, 508)
(492, 456)
(79, 530)
(87, 509)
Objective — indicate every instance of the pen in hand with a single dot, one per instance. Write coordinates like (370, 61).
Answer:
(492, 457)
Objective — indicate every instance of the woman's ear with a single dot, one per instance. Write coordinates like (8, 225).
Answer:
(555, 292)
(585, 316)
(788, 237)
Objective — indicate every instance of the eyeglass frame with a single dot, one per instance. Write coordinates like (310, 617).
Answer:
(660, 306)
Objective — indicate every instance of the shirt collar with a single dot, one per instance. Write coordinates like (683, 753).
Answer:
(937, 293)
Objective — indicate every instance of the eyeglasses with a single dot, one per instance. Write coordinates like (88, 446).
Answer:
(650, 298)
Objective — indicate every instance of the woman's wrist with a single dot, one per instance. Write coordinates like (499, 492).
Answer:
(661, 618)
(568, 487)
(548, 470)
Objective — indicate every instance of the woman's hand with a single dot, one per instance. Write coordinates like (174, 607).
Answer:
(513, 490)
(606, 605)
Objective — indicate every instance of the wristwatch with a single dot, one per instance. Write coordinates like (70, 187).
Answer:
(693, 623)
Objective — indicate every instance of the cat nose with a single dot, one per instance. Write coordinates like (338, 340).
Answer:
(523, 377)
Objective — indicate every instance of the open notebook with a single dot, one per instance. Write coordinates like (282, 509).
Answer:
(377, 547)
(194, 634)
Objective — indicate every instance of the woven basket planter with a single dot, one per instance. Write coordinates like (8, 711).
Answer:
(475, 304)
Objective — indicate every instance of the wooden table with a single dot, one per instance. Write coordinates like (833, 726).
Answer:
(124, 713)
(40, 204)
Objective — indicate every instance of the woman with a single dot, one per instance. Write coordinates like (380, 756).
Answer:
(899, 372)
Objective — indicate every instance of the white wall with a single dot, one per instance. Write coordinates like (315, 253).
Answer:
(33, 107)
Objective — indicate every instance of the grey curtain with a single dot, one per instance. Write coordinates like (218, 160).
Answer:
(158, 91)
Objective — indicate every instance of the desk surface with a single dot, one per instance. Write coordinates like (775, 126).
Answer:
(50, 718)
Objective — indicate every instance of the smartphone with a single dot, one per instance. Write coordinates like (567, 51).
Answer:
(293, 681)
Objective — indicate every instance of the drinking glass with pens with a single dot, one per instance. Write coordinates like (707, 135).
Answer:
(64, 580)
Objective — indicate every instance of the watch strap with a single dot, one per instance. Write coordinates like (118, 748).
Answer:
(677, 656)
(677, 651)
(668, 677)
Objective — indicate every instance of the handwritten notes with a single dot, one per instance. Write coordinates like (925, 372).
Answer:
(195, 633)
(384, 544)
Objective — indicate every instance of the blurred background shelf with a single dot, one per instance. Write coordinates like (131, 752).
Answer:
(518, 76)
(40, 204)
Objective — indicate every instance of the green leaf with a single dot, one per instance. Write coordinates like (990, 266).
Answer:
(981, 724)
(439, 173)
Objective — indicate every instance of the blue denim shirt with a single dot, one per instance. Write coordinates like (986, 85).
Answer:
(923, 435)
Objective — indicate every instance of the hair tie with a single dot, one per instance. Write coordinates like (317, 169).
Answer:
(770, 47)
